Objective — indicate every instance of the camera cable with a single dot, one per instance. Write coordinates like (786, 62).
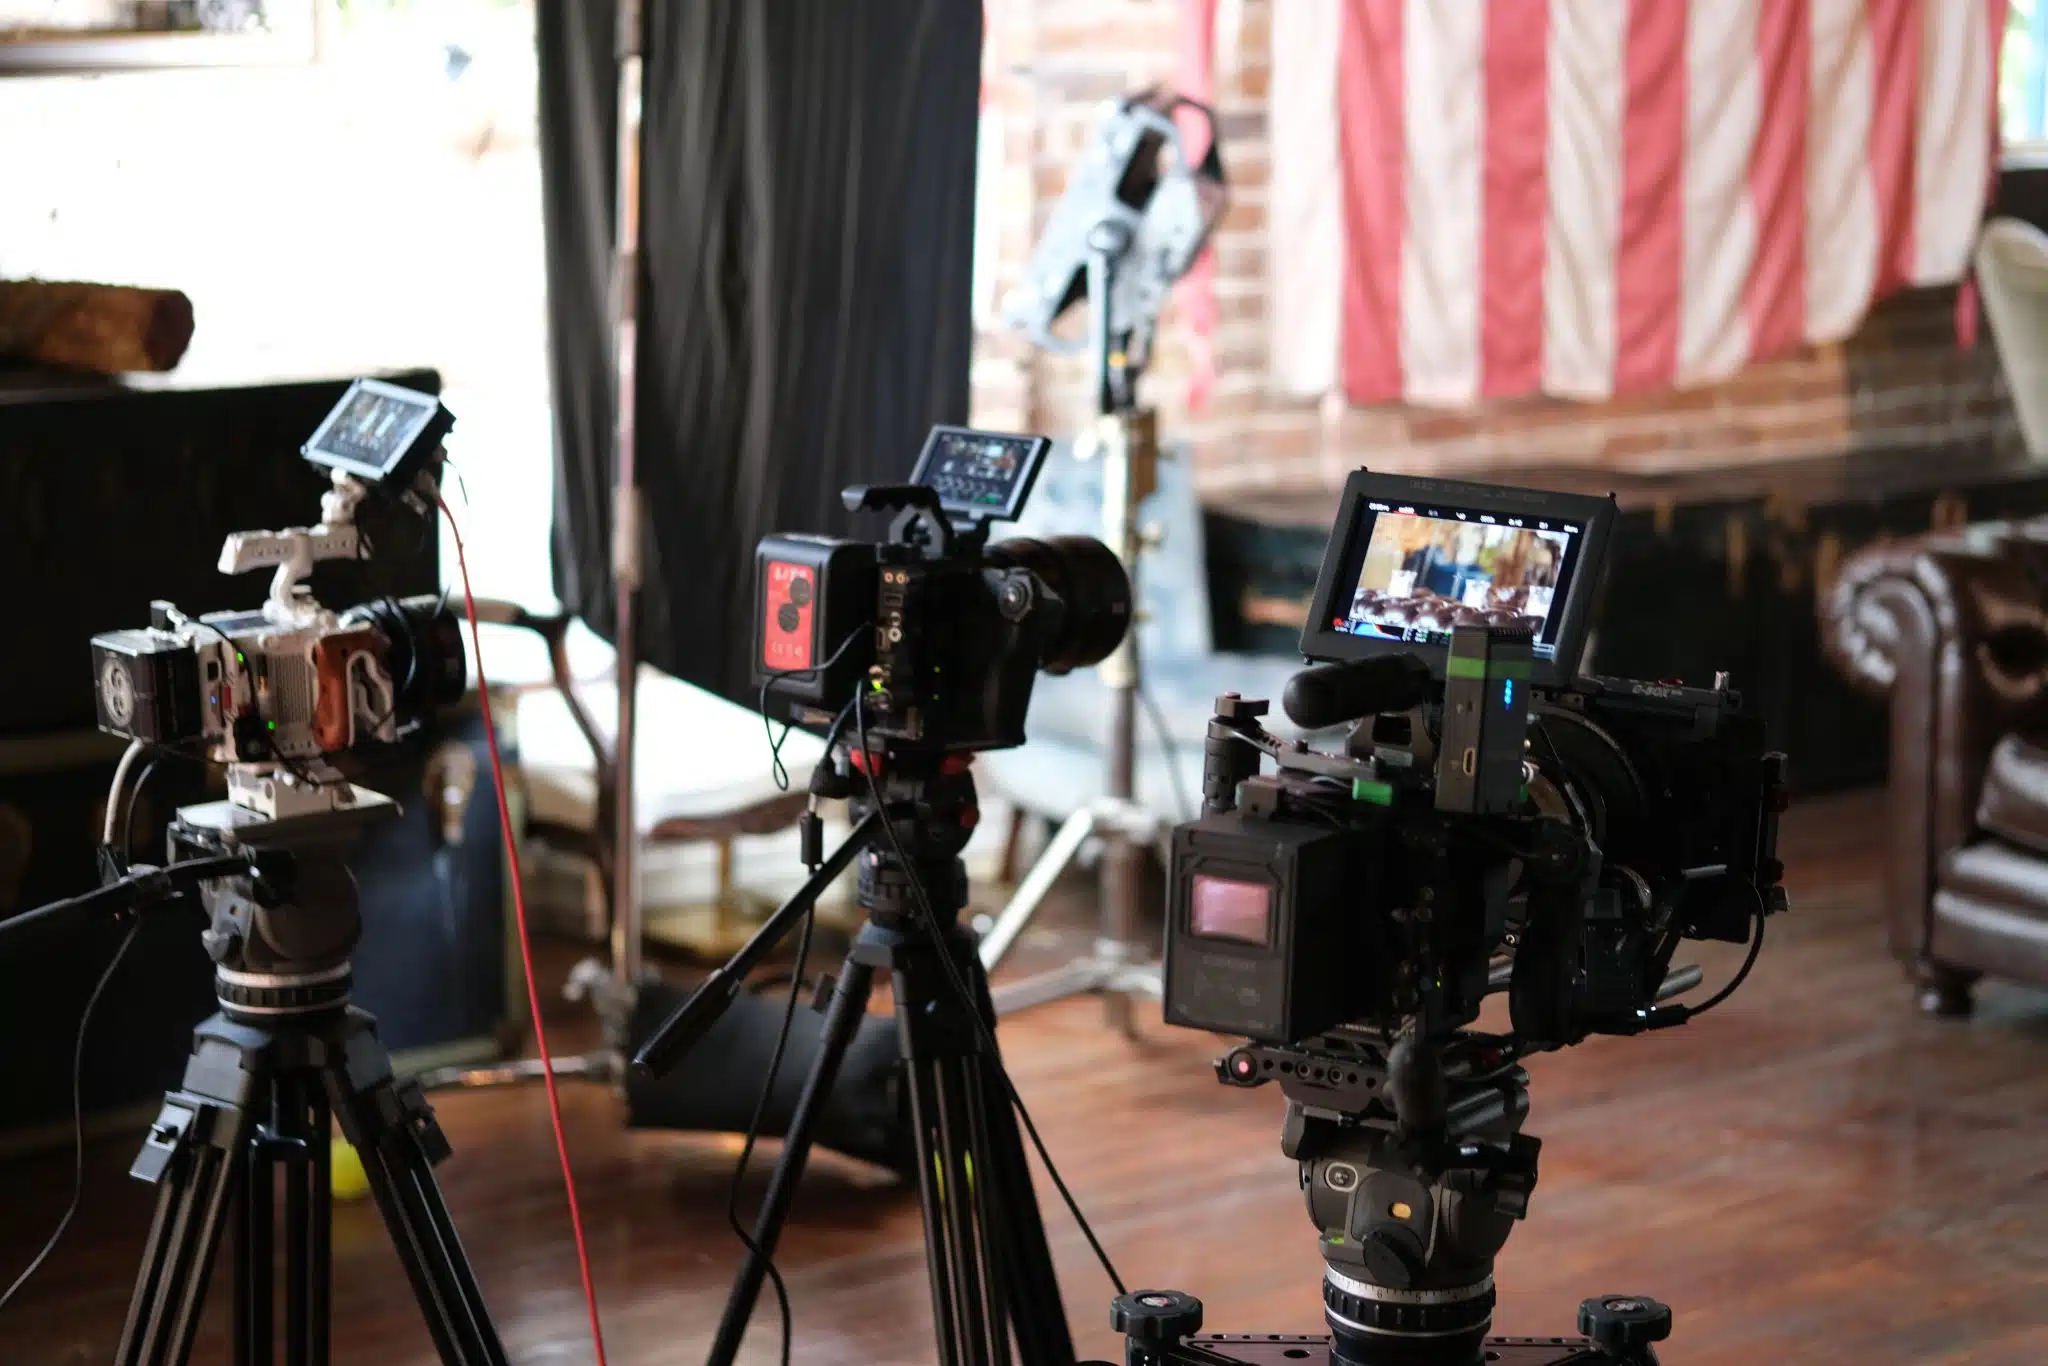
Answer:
(540, 1037)
(981, 1028)
(77, 1118)
(776, 768)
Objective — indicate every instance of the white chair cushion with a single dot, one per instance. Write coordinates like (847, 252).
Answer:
(699, 757)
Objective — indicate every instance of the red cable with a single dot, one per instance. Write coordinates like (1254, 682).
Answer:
(540, 1035)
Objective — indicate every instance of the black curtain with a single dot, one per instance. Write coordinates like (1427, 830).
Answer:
(807, 222)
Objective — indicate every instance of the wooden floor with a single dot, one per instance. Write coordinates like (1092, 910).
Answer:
(1810, 1174)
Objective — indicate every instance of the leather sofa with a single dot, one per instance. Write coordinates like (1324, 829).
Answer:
(1952, 629)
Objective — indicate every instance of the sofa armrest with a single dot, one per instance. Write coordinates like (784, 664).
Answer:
(1953, 631)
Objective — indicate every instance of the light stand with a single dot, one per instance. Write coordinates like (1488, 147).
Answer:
(1126, 437)
(1134, 218)
(612, 988)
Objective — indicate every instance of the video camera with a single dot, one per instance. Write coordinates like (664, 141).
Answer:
(1492, 822)
(272, 692)
(940, 631)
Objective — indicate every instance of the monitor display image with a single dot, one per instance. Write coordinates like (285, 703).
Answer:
(1426, 570)
(980, 474)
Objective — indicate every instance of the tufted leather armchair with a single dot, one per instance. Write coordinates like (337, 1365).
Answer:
(1952, 629)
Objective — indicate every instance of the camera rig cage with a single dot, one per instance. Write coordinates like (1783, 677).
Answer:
(1494, 822)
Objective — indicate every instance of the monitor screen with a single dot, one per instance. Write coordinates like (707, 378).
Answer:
(980, 474)
(378, 430)
(1412, 559)
(1427, 570)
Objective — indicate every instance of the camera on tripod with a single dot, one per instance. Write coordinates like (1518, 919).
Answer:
(1492, 822)
(940, 631)
(272, 692)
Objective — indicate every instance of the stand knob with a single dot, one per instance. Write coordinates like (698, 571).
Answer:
(1156, 1318)
(1623, 1325)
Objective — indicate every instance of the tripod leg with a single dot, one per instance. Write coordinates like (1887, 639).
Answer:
(255, 1274)
(987, 1216)
(195, 1151)
(302, 1134)
(1023, 1258)
(842, 1018)
(933, 1176)
(395, 1133)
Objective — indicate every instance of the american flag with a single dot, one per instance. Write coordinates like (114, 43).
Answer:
(1484, 198)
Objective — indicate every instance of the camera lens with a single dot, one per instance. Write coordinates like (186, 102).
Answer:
(427, 663)
(1086, 576)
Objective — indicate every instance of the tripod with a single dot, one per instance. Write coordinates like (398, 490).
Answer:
(985, 1250)
(285, 1054)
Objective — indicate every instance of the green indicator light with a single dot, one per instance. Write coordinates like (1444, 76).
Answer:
(241, 658)
(1366, 790)
(271, 724)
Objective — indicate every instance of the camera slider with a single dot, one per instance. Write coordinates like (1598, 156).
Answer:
(1163, 1328)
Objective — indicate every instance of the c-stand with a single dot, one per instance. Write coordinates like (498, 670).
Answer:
(985, 1248)
(1135, 216)
(285, 1053)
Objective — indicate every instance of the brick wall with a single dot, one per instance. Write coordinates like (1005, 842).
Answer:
(1901, 382)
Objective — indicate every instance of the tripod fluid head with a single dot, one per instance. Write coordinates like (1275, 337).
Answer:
(281, 934)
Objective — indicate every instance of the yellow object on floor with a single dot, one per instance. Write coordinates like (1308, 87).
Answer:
(347, 1179)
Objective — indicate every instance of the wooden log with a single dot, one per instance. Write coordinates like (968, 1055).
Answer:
(110, 329)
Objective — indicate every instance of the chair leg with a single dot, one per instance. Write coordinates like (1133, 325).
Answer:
(1944, 991)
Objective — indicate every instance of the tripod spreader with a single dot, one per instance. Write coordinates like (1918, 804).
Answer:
(147, 886)
(680, 1032)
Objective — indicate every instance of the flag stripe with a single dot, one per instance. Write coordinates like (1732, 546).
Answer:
(1650, 250)
(1305, 207)
(1895, 40)
(1371, 111)
(1842, 233)
(1443, 65)
(1514, 195)
(1722, 104)
(1774, 300)
(1583, 189)
(1950, 150)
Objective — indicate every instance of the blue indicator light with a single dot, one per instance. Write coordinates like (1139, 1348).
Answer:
(1507, 693)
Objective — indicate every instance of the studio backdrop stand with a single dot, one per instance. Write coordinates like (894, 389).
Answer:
(287, 1055)
(1135, 217)
(612, 987)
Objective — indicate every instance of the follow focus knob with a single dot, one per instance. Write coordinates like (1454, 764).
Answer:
(1156, 1318)
(1622, 1325)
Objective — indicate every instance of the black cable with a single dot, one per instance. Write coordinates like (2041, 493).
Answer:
(987, 1036)
(128, 806)
(77, 1119)
(776, 769)
(732, 1198)
(1756, 944)
(1171, 751)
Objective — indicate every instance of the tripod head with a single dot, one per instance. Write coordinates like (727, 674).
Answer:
(281, 933)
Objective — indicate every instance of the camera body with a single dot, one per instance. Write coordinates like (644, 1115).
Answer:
(1493, 822)
(250, 689)
(271, 692)
(939, 631)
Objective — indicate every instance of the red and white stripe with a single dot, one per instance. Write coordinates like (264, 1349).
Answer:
(1585, 197)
